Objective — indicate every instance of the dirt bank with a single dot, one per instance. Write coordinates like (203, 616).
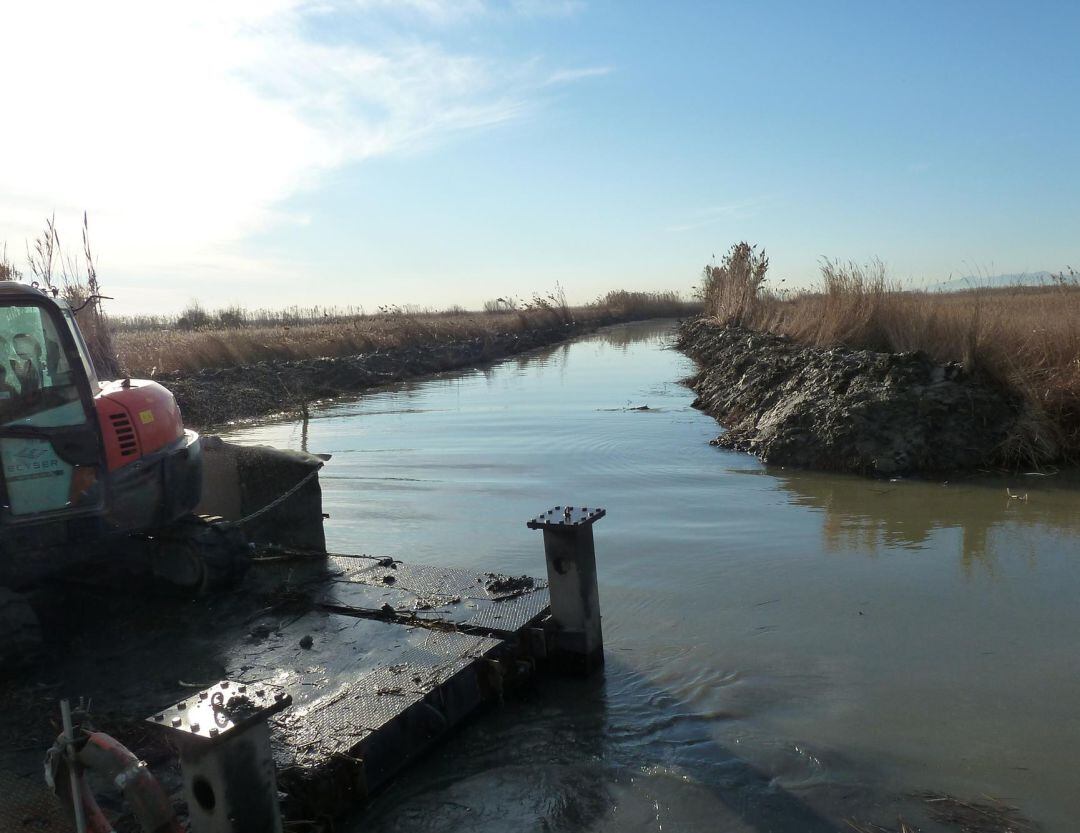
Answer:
(849, 410)
(214, 396)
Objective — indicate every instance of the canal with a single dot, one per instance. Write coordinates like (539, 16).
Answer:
(783, 647)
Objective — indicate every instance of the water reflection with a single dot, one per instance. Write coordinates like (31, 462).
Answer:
(872, 517)
(647, 332)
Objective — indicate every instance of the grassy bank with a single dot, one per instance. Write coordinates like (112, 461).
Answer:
(234, 337)
(198, 339)
(1025, 338)
(212, 396)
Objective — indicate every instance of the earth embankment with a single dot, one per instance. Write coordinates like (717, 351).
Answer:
(841, 409)
(218, 395)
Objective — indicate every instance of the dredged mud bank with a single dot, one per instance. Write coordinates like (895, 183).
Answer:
(218, 395)
(840, 409)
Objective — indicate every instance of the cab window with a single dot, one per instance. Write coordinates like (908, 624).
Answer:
(37, 385)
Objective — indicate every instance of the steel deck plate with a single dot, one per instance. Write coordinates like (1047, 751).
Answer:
(369, 692)
(337, 722)
(498, 604)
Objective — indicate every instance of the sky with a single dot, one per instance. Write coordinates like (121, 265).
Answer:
(369, 152)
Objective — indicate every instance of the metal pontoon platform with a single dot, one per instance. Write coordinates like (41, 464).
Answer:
(417, 649)
(344, 668)
(380, 659)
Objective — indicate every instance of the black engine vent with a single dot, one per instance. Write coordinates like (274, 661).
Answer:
(125, 434)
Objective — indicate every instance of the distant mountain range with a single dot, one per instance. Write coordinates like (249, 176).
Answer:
(989, 281)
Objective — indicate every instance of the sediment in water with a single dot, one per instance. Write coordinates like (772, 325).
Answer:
(841, 409)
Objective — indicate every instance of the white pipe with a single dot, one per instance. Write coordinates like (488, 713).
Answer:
(76, 795)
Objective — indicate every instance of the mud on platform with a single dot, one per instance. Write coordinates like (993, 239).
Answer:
(381, 659)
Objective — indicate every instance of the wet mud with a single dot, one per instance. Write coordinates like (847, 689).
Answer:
(880, 414)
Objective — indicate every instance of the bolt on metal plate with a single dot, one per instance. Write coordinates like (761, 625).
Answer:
(221, 709)
(562, 517)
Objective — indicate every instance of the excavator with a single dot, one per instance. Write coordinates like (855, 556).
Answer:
(91, 470)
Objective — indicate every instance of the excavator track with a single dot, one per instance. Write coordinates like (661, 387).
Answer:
(200, 554)
(20, 630)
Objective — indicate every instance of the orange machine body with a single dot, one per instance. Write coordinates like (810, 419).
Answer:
(137, 417)
(122, 462)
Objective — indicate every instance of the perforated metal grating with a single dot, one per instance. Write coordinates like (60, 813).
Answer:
(458, 597)
(339, 722)
(26, 804)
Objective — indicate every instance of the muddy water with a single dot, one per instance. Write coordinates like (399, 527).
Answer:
(785, 650)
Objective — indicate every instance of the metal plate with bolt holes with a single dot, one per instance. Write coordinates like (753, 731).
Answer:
(222, 708)
(562, 517)
(489, 601)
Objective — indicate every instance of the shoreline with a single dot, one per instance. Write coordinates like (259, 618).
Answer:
(213, 397)
(847, 410)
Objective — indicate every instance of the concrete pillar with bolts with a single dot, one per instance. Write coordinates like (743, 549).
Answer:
(577, 640)
(224, 743)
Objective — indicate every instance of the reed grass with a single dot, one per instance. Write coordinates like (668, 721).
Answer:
(235, 337)
(75, 279)
(1025, 337)
(197, 338)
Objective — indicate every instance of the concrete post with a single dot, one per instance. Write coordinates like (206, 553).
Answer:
(228, 768)
(577, 638)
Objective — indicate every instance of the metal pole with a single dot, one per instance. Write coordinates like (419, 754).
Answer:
(225, 757)
(76, 793)
(577, 638)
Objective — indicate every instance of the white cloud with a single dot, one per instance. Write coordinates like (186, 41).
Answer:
(434, 11)
(453, 11)
(547, 8)
(182, 128)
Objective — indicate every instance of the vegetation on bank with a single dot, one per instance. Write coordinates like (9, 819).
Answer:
(245, 338)
(197, 338)
(74, 278)
(1026, 338)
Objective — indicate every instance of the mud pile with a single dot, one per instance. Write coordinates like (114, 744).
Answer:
(217, 395)
(848, 410)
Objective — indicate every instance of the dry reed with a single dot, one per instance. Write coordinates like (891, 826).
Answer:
(76, 281)
(195, 339)
(1025, 337)
(175, 346)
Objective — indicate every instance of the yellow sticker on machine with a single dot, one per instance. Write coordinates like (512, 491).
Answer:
(146, 416)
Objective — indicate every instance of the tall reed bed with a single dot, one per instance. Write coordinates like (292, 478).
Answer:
(196, 337)
(74, 278)
(1028, 338)
(621, 303)
(161, 346)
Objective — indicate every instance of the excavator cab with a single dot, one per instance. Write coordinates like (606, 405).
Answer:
(80, 459)
(50, 443)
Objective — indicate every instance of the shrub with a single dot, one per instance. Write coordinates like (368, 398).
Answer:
(194, 317)
(500, 305)
(78, 284)
(731, 291)
(232, 317)
(8, 272)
